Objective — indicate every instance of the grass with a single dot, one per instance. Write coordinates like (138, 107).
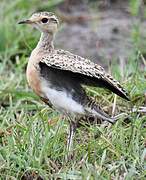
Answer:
(30, 146)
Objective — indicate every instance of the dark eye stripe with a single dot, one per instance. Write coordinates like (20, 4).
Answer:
(44, 20)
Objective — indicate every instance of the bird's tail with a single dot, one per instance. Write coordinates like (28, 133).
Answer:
(93, 110)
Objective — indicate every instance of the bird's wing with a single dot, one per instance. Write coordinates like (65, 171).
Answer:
(67, 61)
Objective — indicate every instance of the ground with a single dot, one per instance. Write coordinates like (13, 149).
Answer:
(32, 148)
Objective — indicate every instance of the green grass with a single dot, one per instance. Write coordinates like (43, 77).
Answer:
(30, 146)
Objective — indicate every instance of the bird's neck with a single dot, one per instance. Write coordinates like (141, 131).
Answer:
(46, 42)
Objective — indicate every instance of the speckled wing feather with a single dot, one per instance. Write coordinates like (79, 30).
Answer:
(64, 60)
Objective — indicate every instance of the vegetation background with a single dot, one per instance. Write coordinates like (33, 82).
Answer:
(113, 34)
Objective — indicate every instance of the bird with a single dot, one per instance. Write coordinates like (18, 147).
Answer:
(60, 77)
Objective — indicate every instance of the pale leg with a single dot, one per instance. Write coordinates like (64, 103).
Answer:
(71, 132)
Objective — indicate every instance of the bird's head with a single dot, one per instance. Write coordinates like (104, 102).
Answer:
(45, 22)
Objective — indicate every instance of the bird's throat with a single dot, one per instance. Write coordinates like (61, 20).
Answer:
(46, 42)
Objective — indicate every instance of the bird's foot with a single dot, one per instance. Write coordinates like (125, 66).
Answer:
(54, 121)
(69, 156)
(115, 118)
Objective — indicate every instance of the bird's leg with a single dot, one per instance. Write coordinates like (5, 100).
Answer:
(71, 132)
(54, 121)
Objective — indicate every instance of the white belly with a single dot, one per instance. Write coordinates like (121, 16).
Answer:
(61, 100)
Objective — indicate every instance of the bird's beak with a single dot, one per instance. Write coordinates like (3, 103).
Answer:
(27, 21)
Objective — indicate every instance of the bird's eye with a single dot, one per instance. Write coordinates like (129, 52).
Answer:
(44, 20)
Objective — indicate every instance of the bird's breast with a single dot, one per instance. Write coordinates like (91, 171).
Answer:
(33, 72)
(33, 78)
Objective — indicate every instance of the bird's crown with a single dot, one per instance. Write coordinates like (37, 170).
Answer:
(46, 16)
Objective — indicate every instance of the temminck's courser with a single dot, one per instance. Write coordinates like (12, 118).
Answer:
(59, 77)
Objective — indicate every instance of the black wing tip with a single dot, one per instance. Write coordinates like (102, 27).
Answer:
(123, 94)
(126, 97)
